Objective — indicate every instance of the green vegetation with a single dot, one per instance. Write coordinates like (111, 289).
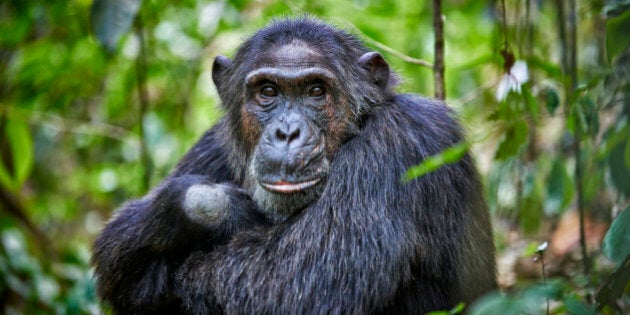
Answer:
(98, 100)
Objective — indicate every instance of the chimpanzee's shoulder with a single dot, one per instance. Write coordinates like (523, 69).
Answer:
(411, 127)
(422, 108)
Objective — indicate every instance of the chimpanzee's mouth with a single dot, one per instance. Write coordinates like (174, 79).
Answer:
(284, 187)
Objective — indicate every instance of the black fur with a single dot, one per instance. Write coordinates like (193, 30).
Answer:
(370, 243)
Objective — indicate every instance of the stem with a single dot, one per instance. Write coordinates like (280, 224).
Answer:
(438, 65)
(143, 97)
(386, 48)
(568, 40)
(562, 34)
(577, 149)
(542, 260)
(11, 204)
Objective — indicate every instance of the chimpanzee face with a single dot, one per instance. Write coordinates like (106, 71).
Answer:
(292, 105)
(290, 96)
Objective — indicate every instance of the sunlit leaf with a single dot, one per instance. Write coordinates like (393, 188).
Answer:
(616, 245)
(432, 163)
(111, 19)
(531, 249)
(21, 148)
(458, 309)
(6, 179)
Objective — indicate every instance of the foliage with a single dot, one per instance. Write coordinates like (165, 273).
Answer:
(617, 241)
(99, 99)
(432, 163)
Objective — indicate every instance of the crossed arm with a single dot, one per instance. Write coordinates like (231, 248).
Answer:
(197, 246)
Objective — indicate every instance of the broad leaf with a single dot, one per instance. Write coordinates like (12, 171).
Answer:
(616, 244)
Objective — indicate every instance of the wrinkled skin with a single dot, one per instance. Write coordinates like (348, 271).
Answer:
(293, 203)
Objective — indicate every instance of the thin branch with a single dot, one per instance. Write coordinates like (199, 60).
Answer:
(474, 94)
(12, 206)
(94, 128)
(438, 66)
(143, 97)
(568, 45)
(398, 54)
(577, 150)
(544, 273)
(386, 48)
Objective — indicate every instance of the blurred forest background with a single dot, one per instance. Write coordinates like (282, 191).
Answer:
(99, 99)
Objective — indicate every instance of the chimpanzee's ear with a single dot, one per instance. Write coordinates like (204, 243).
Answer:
(378, 68)
(219, 67)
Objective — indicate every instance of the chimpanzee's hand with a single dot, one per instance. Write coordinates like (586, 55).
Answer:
(189, 210)
(209, 204)
(220, 208)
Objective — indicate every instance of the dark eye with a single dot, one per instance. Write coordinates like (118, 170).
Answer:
(316, 91)
(268, 91)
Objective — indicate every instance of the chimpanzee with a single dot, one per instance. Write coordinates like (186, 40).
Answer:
(293, 203)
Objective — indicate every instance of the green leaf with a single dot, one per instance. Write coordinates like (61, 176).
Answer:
(553, 101)
(617, 38)
(618, 167)
(577, 307)
(591, 117)
(531, 205)
(111, 19)
(612, 289)
(549, 67)
(432, 163)
(6, 179)
(458, 309)
(530, 101)
(531, 249)
(21, 147)
(496, 303)
(512, 140)
(616, 7)
(559, 189)
(616, 244)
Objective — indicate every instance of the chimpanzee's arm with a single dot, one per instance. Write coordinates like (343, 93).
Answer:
(194, 208)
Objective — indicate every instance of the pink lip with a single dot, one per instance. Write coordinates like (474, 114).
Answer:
(287, 187)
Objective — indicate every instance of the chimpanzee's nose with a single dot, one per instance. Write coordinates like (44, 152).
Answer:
(288, 133)
(291, 132)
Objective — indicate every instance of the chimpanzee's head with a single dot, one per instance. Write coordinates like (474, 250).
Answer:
(294, 93)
